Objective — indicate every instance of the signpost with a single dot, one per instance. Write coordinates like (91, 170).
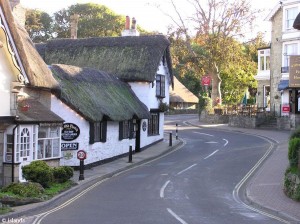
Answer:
(81, 155)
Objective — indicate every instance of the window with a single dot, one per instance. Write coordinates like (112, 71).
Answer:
(291, 14)
(9, 147)
(264, 59)
(262, 63)
(126, 129)
(123, 130)
(98, 132)
(267, 62)
(160, 86)
(289, 49)
(153, 124)
(48, 142)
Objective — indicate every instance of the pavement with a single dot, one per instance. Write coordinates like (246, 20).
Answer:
(263, 189)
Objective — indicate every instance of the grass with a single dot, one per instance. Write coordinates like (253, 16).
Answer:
(56, 188)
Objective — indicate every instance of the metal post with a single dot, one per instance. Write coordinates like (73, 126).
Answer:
(176, 131)
(81, 174)
(130, 154)
(170, 139)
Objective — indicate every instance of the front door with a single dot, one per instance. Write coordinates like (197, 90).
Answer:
(138, 136)
(24, 147)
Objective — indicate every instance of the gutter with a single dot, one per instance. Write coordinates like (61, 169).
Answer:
(13, 156)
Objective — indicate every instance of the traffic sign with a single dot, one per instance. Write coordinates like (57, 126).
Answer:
(81, 154)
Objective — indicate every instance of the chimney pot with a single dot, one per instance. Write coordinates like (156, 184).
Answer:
(127, 23)
(133, 24)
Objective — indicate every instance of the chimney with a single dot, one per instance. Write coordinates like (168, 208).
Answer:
(127, 23)
(18, 11)
(130, 31)
(74, 25)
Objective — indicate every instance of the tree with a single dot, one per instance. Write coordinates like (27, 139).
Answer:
(216, 24)
(94, 21)
(39, 25)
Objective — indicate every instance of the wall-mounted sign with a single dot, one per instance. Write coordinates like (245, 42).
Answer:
(70, 132)
(144, 126)
(69, 146)
(294, 75)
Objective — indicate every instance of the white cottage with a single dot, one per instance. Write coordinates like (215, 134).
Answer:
(100, 113)
(29, 130)
(144, 62)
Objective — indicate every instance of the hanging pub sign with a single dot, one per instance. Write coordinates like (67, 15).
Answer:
(294, 76)
(69, 132)
(205, 80)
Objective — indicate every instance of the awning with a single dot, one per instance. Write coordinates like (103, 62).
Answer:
(296, 24)
(283, 84)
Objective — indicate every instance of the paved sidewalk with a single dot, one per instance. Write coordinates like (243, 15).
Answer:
(265, 189)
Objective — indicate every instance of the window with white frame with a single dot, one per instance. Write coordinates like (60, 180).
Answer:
(264, 59)
(33, 142)
(48, 142)
(289, 49)
(9, 147)
(290, 16)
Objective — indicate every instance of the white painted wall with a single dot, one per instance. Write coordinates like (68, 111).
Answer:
(146, 92)
(6, 75)
(97, 151)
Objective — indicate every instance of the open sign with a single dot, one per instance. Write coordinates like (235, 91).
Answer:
(81, 155)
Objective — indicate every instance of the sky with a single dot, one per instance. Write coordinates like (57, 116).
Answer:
(146, 12)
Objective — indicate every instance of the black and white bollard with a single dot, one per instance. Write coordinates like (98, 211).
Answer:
(170, 139)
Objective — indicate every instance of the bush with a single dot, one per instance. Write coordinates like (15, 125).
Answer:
(293, 151)
(62, 174)
(27, 190)
(39, 172)
(295, 134)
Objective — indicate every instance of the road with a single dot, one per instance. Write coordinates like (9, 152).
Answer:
(196, 184)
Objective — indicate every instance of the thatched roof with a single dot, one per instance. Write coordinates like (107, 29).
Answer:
(182, 94)
(131, 58)
(35, 68)
(96, 95)
(37, 113)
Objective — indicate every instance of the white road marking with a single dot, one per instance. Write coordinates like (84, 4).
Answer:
(200, 133)
(176, 216)
(162, 190)
(211, 154)
(226, 141)
(211, 142)
(187, 169)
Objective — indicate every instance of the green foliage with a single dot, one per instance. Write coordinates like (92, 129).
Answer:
(94, 21)
(56, 188)
(39, 26)
(39, 172)
(62, 173)
(295, 134)
(293, 151)
(26, 190)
